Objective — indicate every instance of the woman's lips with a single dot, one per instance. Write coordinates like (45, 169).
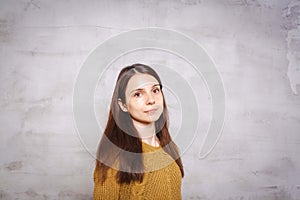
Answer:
(151, 110)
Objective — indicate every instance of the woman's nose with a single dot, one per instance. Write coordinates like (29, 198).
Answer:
(150, 99)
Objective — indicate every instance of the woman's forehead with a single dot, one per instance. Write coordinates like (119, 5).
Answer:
(139, 81)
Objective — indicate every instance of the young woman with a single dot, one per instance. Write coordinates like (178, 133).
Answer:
(136, 157)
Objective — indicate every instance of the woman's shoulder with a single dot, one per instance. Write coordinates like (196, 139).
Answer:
(111, 172)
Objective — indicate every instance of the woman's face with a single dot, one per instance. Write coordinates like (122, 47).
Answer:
(144, 100)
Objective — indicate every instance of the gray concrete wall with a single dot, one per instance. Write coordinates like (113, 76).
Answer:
(255, 45)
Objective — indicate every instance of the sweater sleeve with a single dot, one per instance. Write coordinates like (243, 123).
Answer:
(107, 190)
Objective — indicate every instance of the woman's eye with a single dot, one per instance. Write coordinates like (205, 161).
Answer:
(138, 94)
(156, 90)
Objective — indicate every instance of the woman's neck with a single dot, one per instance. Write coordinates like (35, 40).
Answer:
(147, 133)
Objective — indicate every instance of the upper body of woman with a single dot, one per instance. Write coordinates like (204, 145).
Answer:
(136, 157)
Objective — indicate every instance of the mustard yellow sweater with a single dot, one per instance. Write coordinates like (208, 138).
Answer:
(162, 180)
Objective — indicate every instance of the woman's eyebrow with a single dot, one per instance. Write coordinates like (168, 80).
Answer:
(139, 89)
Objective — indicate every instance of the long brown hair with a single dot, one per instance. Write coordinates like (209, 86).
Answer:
(120, 146)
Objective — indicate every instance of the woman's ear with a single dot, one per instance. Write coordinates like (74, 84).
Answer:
(122, 106)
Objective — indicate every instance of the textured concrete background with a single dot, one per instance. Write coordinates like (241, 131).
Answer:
(254, 43)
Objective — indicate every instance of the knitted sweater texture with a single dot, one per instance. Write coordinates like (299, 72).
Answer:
(162, 180)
